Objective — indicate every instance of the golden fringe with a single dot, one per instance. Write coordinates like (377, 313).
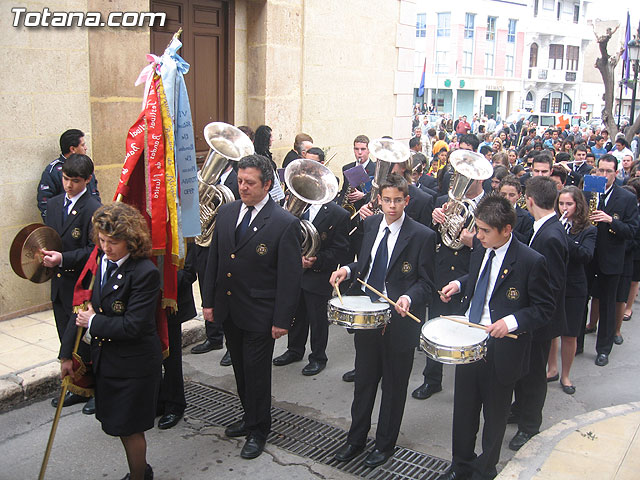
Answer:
(85, 392)
(82, 307)
(165, 354)
(170, 304)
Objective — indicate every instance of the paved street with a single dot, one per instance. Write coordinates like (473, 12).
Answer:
(190, 450)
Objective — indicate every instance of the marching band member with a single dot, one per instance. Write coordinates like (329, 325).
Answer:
(510, 295)
(581, 236)
(396, 258)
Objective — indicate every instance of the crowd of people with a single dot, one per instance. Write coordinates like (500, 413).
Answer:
(544, 255)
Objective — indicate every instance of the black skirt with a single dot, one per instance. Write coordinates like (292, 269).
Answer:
(125, 406)
(574, 308)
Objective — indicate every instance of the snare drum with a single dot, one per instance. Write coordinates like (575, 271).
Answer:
(358, 312)
(453, 343)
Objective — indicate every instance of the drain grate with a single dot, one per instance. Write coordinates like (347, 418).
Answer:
(309, 438)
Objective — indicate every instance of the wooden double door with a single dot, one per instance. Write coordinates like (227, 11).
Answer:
(207, 38)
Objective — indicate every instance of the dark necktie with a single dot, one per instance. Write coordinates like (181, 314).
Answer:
(567, 227)
(65, 209)
(479, 296)
(305, 215)
(111, 267)
(379, 267)
(244, 224)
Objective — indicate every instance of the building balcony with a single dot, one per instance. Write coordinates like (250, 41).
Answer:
(570, 77)
(547, 75)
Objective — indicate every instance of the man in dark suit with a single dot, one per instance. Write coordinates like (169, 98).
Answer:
(550, 240)
(510, 295)
(580, 167)
(171, 400)
(71, 141)
(301, 144)
(69, 214)
(253, 283)
(617, 221)
(357, 196)
(450, 264)
(397, 259)
(511, 189)
(214, 334)
(331, 222)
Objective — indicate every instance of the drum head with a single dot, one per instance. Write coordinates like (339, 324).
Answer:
(445, 332)
(358, 303)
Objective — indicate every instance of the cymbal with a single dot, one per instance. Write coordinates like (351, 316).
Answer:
(25, 253)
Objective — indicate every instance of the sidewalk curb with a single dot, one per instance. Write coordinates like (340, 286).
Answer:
(527, 462)
(43, 380)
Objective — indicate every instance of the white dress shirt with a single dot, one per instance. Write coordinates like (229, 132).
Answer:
(73, 200)
(254, 213)
(103, 271)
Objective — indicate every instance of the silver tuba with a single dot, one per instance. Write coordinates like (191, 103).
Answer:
(468, 166)
(386, 151)
(226, 143)
(310, 183)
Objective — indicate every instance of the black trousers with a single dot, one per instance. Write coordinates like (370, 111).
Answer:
(171, 398)
(311, 313)
(62, 312)
(531, 390)
(432, 372)
(377, 360)
(478, 388)
(251, 354)
(607, 286)
(213, 329)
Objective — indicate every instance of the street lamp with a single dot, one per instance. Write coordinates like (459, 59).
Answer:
(634, 57)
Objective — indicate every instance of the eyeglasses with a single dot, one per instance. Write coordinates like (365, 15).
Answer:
(395, 201)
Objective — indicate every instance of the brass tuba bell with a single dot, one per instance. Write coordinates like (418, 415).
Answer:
(226, 143)
(468, 166)
(310, 183)
(387, 152)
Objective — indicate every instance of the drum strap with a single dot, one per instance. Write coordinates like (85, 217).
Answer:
(480, 295)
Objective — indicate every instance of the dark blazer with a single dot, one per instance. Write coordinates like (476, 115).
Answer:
(610, 243)
(370, 169)
(256, 283)
(575, 176)
(551, 242)
(51, 185)
(332, 222)
(124, 338)
(410, 272)
(186, 277)
(581, 248)
(420, 206)
(77, 243)
(524, 225)
(290, 157)
(428, 181)
(522, 290)
(232, 182)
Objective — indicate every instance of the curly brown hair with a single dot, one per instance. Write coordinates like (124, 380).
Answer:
(123, 222)
(581, 216)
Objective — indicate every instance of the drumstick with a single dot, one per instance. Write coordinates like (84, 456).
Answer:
(475, 325)
(388, 300)
(335, 285)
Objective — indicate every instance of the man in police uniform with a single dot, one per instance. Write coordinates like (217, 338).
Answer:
(71, 141)
(253, 282)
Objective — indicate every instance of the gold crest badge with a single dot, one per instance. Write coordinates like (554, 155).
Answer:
(323, 236)
(76, 233)
(261, 249)
(406, 267)
(513, 294)
(118, 306)
(616, 216)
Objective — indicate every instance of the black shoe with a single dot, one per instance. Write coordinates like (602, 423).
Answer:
(377, 457)
(252, 448)
(617, 339)
(590, 330)
(236, 429)
(349, 376)
(226, 359)
(553, 378)
(206, 346)
(451, 475)
(425, 390)
(347, 452)
(626, 318)
(512, 419)
(313, 368)
(69, 399)
(148, 474)
(519, 440)
(169, 420)
(568, 389)
(286, 358)
(90, 407)
(602, 359)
